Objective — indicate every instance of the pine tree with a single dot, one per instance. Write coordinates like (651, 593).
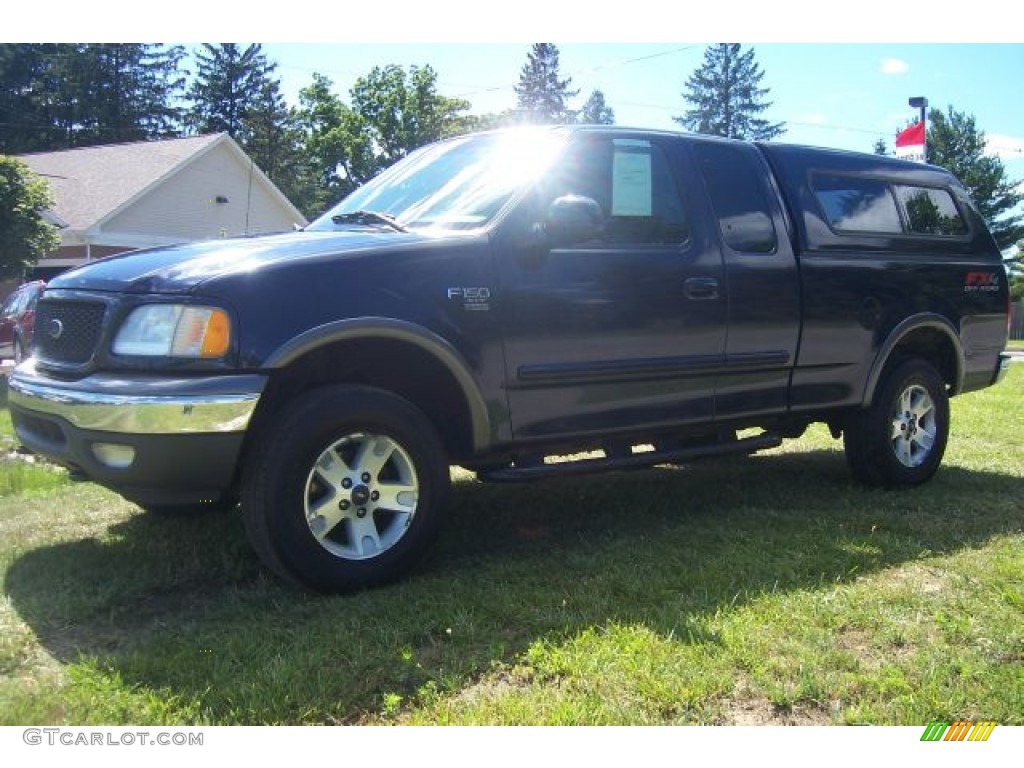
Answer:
(596, 112)
(128, 92)
(955, 143)
(726, 96)
(272, 139)
(56, 96)
(26, 123)
(235, 93)
(542, 95)
(229, 83)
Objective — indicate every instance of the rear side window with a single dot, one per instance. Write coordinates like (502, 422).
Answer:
(854, 204)
(738, 197)
(875, 206)
(931, 211)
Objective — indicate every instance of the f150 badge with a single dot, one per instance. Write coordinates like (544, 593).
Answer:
(473, 299)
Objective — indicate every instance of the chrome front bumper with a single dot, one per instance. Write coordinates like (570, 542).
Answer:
(154, 439)
(140, 405)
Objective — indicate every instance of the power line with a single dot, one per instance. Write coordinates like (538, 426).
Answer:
(587, 71)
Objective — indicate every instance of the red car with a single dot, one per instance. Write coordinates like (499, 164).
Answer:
(17, 321)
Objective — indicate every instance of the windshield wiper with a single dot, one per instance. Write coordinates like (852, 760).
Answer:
(369, 218)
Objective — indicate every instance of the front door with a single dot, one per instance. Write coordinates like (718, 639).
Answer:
(625, 328)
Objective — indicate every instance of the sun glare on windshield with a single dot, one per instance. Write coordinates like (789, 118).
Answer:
(459, 184)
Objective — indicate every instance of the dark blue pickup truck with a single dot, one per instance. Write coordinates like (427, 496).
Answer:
(495, 300)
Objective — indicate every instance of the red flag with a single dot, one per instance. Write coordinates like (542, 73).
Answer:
(911, 136)
(910, 143)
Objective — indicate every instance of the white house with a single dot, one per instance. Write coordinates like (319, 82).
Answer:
(122, 197)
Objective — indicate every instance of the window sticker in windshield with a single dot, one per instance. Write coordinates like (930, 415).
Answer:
(631, 179)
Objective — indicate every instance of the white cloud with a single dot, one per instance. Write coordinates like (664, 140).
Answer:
(1004, 147)
(894, 67)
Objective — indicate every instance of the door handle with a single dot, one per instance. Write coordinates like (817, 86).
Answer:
(701, 288)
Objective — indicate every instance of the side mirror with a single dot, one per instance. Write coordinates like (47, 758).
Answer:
(573, 219)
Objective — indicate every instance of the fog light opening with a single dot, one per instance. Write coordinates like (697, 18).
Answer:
(113, 455)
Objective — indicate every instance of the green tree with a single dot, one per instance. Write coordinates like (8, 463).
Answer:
(273, 140)
(55, 96)
(880, 147)
(236, 93)
(403, 110)
(595, 111)
(491, 121)
(1015, 266)
(393, 111)
(26, 124)
(126, 92)
(337, 152)
(726, 96)
(24, 236)
(956, 143)
(230, 83)
(542, 96)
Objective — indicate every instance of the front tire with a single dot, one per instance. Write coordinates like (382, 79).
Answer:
(345, 489)
(900, 439)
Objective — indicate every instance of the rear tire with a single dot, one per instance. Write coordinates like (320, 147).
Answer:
(900, 439)
(345, 489)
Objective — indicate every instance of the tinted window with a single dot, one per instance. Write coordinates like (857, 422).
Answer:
(857, 205)
(931, 211)
(737, 195)
(631, 182)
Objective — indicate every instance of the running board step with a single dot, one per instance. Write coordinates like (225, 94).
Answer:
(633, 461)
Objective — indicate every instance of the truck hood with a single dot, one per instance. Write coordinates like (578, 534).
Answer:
(181, 268)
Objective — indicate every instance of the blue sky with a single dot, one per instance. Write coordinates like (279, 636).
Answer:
(840, 95)
(839, 74)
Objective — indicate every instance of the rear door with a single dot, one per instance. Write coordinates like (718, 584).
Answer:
(761, 280)
(622, 331)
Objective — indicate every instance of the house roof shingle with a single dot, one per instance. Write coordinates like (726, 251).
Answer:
(92, 182)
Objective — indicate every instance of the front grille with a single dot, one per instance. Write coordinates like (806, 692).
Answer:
(68, 331)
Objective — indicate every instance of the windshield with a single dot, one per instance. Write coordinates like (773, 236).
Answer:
(458, 184)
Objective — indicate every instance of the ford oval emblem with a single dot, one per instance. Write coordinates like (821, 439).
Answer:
(56, 329)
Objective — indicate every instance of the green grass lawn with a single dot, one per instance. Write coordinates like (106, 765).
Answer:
(770, 589)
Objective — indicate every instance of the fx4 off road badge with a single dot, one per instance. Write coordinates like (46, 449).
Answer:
(981, 282)
(473, 299)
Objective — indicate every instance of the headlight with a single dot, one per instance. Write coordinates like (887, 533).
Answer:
(174, 330)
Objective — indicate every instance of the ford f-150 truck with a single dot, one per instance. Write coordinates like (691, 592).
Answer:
(624, 298)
